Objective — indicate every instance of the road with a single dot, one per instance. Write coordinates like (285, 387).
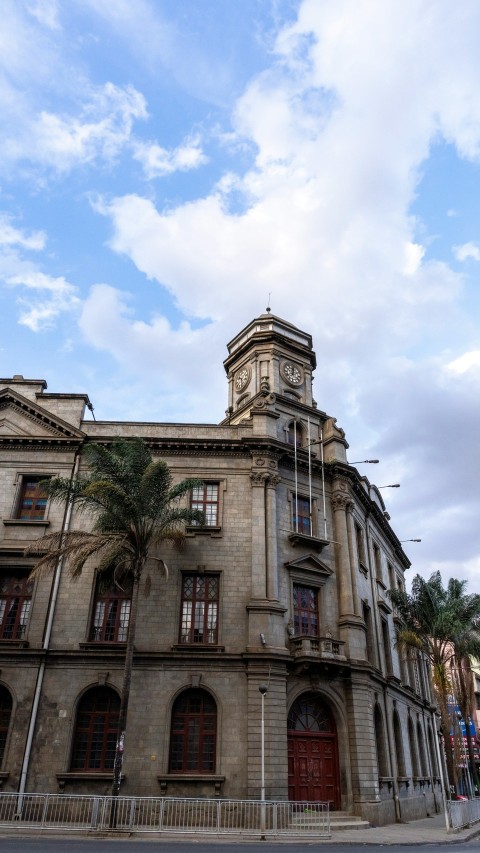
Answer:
(73, 844)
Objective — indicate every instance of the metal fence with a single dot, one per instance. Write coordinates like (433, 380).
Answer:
(463, 813)
(163, 815)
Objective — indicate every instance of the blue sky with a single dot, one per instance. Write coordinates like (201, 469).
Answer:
(166, 165)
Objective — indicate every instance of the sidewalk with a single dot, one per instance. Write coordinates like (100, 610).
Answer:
(430, 830)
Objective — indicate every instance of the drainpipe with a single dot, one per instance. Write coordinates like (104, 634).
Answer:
(45, 645)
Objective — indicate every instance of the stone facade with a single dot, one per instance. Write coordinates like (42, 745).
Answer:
(302, 554)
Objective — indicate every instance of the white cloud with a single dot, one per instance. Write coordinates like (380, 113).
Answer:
(42, 297)
(464, 363)
(60, 142)
(11, 236)
(467, 250)
(52, 296)
(108, 323)
(157, 161)
(46, 12)
(339, 126)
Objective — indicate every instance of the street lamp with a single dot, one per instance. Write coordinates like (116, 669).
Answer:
(390, 486)
(409, 540)
(263, 689)
(366, 462)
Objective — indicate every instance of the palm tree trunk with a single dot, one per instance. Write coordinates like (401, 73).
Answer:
(127, 678)
(446, 726)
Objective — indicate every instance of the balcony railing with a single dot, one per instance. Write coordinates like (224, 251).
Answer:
(321, 648)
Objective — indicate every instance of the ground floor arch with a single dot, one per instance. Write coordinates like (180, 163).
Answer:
(313, 767)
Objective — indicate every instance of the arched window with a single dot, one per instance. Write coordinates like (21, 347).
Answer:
(5, 714)
(397, 734)
(295, 434)
(380, 742)
(413, 748)
(310, 714)
(193, 737)
(421, 750)
(432, 750)
(96, 729)
(111, 612)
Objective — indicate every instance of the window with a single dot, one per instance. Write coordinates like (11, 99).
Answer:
(32, 501)
(398, 738)
(199, 611)
(360, 545)
(302, 520)
(111, 613)
(377, 558)
(413, 749)
(305, 611)
(194, 733)
(95, 737)
(367, 618)
(294, 434)
(15, 600)
(387, 646)
(5, 714)
(382, 755)
(205, 498)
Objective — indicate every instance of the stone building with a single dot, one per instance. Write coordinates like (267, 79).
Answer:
(285, 586)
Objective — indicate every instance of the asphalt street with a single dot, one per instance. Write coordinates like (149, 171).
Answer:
(48, 844)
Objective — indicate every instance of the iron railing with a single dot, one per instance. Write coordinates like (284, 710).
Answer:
(463, 813)
(163, 815)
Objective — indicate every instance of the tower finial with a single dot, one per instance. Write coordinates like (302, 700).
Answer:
(268, 306)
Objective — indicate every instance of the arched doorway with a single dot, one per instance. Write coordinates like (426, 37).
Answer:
(312, 752)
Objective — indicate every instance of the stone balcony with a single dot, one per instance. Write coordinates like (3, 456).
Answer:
(317, 649)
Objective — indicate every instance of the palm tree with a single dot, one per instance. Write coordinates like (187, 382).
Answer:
(134, 507)
(443, 625)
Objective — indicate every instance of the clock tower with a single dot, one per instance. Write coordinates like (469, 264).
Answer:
(269, 357)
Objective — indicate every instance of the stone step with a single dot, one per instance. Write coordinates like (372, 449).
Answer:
(338, 821)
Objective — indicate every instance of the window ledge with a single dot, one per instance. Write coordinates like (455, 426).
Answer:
(197, 647)
(380, 583)
(207, 530)
(85, 776)
(14, 644)
(34, 522)
(196, 778)
(312, 541)
(103, 645)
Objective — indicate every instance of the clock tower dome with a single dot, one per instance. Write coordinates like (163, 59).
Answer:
(269, 356)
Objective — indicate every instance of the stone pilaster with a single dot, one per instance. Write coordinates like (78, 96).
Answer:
(350, 623)
(363, 754)
(340, 502)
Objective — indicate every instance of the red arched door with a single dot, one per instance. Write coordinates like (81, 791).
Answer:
(312, 752)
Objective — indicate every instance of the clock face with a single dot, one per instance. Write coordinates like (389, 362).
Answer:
(242, 379)
(292, 373)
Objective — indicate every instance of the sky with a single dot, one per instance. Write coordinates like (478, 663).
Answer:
(170, 167)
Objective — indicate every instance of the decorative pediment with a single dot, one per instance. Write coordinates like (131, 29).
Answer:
(22, 419)
(312, 565)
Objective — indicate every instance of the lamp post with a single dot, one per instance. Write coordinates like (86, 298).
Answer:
(263, 689)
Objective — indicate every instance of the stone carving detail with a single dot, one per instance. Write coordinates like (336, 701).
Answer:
(264, 478)
(341, 501)
(273, 481)
(259, 478)
(265, 401)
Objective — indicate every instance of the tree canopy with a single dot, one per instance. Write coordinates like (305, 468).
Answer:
(131, 506)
